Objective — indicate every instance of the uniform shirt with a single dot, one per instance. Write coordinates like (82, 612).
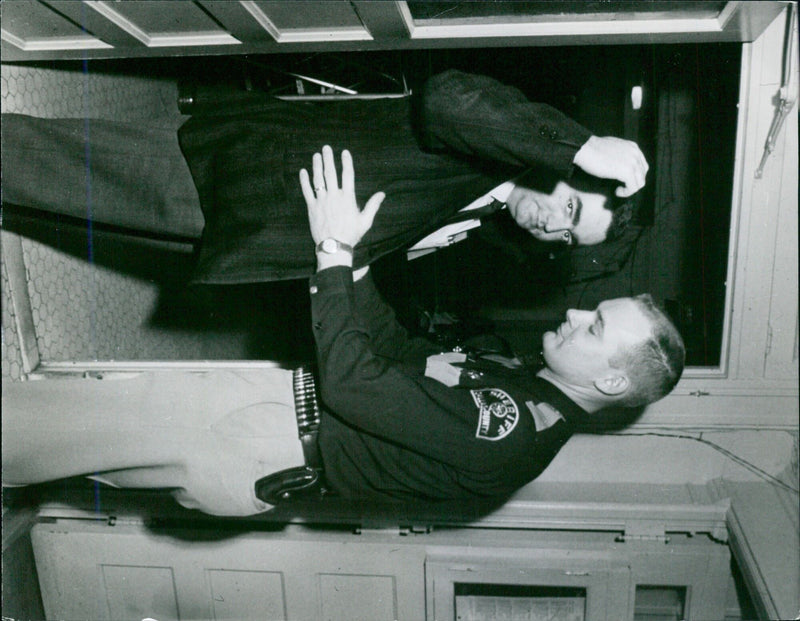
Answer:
(391, 432)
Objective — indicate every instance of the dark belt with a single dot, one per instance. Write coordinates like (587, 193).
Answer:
(302, 482)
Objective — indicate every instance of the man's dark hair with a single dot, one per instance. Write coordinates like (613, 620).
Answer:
(622, 209)
(655, 365)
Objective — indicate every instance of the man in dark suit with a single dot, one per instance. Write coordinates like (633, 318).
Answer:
(460, 139)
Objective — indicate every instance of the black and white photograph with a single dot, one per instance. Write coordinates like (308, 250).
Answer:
(399, 310)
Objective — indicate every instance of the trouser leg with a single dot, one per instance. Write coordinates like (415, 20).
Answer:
(208, 436)
(124, 174)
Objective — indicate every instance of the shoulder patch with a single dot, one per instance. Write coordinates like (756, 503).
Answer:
(498, 414)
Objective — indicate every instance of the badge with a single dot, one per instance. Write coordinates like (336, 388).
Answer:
(498, 414)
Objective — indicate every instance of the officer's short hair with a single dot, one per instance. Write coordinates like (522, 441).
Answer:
(655, 365)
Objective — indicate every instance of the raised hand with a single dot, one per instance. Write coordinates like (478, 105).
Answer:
(333, 211)
(614, 158)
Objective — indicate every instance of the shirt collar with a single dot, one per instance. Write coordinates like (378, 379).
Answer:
(572, 412)
(502, 191)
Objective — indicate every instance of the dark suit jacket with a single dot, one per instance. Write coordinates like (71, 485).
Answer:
(432, 155)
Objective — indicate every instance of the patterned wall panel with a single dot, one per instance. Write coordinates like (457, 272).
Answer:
(84, 311)
(9, 346)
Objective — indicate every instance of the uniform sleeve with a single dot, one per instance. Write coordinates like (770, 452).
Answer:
(377, 395)
(478, 116)
(386, 336)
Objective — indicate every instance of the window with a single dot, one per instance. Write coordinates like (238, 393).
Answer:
(493, 602)
(659, 603)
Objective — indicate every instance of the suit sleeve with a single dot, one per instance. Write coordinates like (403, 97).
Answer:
(379, 396)
(479, 117)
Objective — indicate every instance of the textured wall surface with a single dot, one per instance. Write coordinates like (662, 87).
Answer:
(81, 310)
(10, 347)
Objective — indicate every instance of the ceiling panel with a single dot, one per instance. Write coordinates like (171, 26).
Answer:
(32, 26)
(303, 22)
(318, 15)
(163, 24)
(161, 17)
(64, 29)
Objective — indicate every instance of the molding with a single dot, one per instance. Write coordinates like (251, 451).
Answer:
(80, 367)
(550, 506)
(193, 39)
(765, 409)
(762, 522)
(17, 523)
(733, 16)
(14, 266)
(262, 19)
(303, 35)
(53, 44)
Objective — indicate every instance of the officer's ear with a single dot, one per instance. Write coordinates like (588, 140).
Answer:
(613, 385)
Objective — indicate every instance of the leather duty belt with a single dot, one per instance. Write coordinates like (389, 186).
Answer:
(302, 482)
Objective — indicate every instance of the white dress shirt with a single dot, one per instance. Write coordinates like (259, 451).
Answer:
(452, 233)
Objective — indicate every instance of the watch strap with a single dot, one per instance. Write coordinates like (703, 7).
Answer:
(332, 246)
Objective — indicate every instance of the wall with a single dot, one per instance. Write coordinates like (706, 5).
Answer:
(749, 406)
(749, 409)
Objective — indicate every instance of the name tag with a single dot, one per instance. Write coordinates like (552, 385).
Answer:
(440, 367)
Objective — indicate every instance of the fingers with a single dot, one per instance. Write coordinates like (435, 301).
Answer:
(325, 176)
(632, 184)
(638, 174)
(629, 187)
(624, 191)
(319, 179)
(348, 176)
(633, 174)
(329, 168)
(305, 186)
(334, 212)
(614, 158)
(371, 208)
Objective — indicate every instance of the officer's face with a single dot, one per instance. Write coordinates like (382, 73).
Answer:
(579, 350)
(553, 210)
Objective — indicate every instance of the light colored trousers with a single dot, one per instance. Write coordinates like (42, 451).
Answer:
(208, 436)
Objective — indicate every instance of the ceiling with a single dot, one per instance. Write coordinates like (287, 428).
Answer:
(64, 29)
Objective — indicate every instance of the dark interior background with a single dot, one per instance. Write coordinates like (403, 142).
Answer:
(499, 279)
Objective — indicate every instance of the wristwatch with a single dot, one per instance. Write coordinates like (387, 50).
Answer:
(332, 246)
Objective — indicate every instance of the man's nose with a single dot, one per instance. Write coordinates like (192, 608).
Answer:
(556, 221)
(576, 317)
(571, 317)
